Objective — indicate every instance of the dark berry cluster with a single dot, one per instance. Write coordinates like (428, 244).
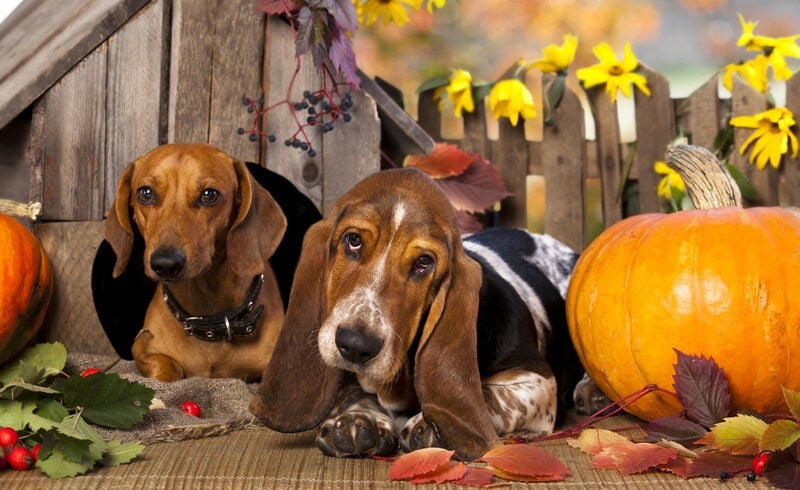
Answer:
(322, 109)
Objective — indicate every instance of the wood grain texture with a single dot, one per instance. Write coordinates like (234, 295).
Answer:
(74, 142)
(791, 164)
(704, 114)
(43, 39)
(136, 88)
(655, 129)
(563, 152)
(71, 317)
(511, 160)
(608, 153)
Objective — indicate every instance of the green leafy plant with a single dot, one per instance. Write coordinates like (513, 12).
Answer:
(57, 411)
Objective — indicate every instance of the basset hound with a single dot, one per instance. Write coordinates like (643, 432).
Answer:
(397, 329)
(209, 231)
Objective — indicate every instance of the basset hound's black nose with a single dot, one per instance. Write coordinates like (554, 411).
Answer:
(357, 347)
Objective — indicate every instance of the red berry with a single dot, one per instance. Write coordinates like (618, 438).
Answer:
(35, 451)
(20, 458)
(8, 439)
(90, 371)
(191, 408)
(759, 462)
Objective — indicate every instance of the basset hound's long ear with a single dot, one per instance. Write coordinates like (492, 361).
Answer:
(246, 236)
(450, 392)
(298, 389)
(118, 225)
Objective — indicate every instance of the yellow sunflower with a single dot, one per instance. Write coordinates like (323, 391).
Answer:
(389, 11)
(614, 73)
(556, 59)
(772, 138)
(776, 49)
(670, 183)
(754, 72)
(459, 92)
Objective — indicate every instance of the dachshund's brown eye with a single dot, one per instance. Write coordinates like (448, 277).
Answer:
(146, 195)
(352, 242)
(423, 264)
(209, 197)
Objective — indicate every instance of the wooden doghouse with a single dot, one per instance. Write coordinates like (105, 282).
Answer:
(87, 86)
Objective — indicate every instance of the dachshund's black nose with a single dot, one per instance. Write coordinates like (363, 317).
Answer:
(357, 347)
(168, 263)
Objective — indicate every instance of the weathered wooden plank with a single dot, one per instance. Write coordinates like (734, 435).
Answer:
(746, 101)
(137, 84)
(655, 129)
(564, 170)
(279, 69)
(351, 151)
(791, 165)
(510, 157)
(74, 142)
(608, 153)
(71, 248)
(236, 72)
(475, 130)
(428, 115)
(15, 169)
(191, 56)
(43, 39)
(704, 114)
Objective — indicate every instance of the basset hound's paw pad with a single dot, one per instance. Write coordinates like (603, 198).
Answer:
(356, 434)
(417, 433)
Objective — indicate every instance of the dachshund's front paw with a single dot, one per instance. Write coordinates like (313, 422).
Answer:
(356, 434)
(417, 433)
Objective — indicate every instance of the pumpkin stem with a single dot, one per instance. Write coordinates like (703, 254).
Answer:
(708, 183)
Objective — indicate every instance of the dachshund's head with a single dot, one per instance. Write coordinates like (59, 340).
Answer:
(196, 207)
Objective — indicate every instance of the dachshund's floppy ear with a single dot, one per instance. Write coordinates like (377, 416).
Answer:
(450, 392)
(298, 389)
(118, 226)
(246, 235)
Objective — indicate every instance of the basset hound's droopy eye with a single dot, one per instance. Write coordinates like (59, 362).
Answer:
(352, 244)
(423, 265)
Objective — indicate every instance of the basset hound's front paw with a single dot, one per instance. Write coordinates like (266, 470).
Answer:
(417, 433)
(356, 434)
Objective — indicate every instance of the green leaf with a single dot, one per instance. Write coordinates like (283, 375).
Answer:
(737, 435)
(15, 389)
(57, 466)
(33, 421)
(748, 191)
(433, 83)
(106, 399)
(75, 450)
(48, 359)
(779, 435)
(793, 400)
(120, 453)
(51, 409)
(75, 427)
(11, 414)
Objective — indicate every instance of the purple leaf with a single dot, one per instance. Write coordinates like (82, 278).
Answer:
(475, 190)
(343, 12)
(342, 56)
(783, 470)
(702, 389)
(675, 429)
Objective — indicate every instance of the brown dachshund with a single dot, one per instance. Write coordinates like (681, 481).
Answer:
(397, 330)
(209, 231)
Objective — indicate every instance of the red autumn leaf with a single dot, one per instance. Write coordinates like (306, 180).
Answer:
(446, 160)
(453, 470)
(477, 189)
(702, 388)
(275, 7)
(475, 477)
(420, 462)
(524, 462)
(712, 463)
(783, 470)
(593, 441)
(631, 457)
(674, 429)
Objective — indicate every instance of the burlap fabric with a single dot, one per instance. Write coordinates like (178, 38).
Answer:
(227, 449)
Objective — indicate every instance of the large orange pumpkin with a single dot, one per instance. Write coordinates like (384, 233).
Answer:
(26, 285)
(723, 283)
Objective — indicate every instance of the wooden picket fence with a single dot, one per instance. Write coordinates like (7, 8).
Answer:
(561, 154)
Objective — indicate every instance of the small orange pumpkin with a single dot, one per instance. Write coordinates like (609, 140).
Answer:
(26, 285)
(723, 283)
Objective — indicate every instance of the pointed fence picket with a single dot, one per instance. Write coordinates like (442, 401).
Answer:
(570, 163)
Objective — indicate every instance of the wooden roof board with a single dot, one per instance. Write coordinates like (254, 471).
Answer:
(43, 39)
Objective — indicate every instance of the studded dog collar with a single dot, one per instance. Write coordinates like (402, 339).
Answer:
(239, 322)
